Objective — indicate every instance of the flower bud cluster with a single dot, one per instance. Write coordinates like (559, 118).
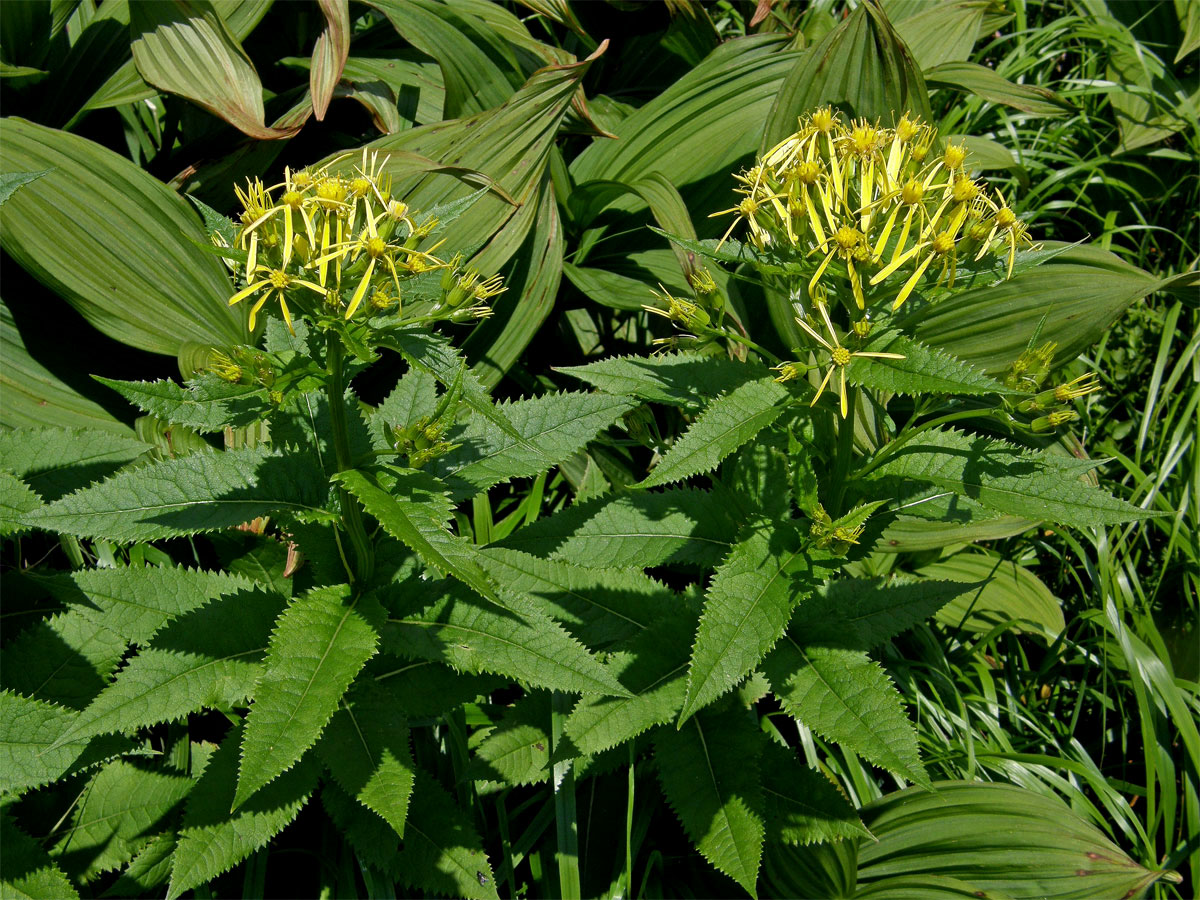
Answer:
(1051, 406)
(871, 209)
(343, 242)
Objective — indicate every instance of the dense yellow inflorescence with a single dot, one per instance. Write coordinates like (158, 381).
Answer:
(872, 203)
(344, 240)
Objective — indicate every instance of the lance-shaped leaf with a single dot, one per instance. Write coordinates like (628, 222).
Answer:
(991, 85)
(206, 404)
(747, 608)
(709, 773)
(522, 643)
(35, 397)
(803, 805)
(120, 808)
(210, 658)
(149, 868)
(122, 252)
(922, 370)
(329, 54)
(193, 494)
(184, 47)
(319, 644)
(414, 514)
(365, 747)
(212, 838)
(136, 601)
(726, 423)
(65, 659)
(686, 380)
(680, 526)
(31, 755)
(56, 461)
(28, 869)
(17, 499)
(862, 66)
(1071, 300)
(1008, 479)
(551, 428)
(517, 750)
(844, 696)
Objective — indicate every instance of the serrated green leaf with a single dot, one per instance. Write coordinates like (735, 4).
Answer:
(375, 842)
(414, 514)
(726, 423)
(318, 645)
(461, 630)
(923, 370)
(135, 602)
(803, 806)
(212, 839)
(414, 397)
(56, 461)
(11, 182)
(709, 773)
(17, 499)
(206, 404)
(759, 481)
(746, 609)
(65, 659)
(122, 805)
(654, 670)
(442, 852)
(517, 750)
(31, 754)
(687, 380)
(29, 873)
(1006, 478)
(365, 747)
(550, 428)
(860, 613)
(304, 422)
(677, 526)
(149, 868)
(208, 658)
(598, 606)
(197, 493)
(424, 688)
(845, 696)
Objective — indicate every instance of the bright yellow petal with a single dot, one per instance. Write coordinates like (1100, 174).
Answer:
(252, 256)
(257, 306)
(813, 334)
(360, 290)
(845, 408)
(824, 382)
(897, 263)
(912, 282)
(287, 316)
(247, 291)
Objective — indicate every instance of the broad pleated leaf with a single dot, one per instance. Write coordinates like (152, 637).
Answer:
(329, 54)
(994, 591)
(115, 243)
(471, 635)
(991, 85)
(365, 747)
(135, 602)
(598, 606)
(923, 370)
(726, 423)
(844, 696)
(1007, 478)
(30, 754)
(551, 428)
(120, 808)
(710, 775)
(317, 647)
(746, 609)
(28, 870)
(211, 658)
(1000, 838)
(187, 49)
(193, 494)
(34, 397)
(1071, 300)
(680, 526)
(687, 380)
(65, 659)
(940, 32)
(212, 839)
(802, 805)
(56, 461)
(209, 404)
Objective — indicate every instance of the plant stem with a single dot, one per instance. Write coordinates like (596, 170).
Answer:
(569, 885)
(845, 451)
(745, 341)
(362, 561)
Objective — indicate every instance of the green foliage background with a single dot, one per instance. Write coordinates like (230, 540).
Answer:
(1060, 662)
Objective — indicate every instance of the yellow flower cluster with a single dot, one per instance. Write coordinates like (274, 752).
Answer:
(871, 202)
(344, 239)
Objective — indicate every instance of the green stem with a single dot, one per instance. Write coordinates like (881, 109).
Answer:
(746, 342)
(565, 817)
(362, 561)
(629, 825)
(845, 451)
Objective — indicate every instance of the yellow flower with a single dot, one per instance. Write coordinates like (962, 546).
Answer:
(276, 282)
(839, 357)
